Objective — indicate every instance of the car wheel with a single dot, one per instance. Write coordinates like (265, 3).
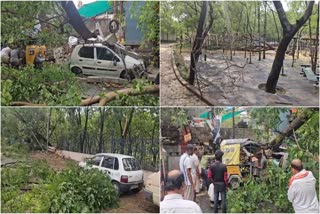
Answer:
(116, 187)
(76, 70)
(128, 75)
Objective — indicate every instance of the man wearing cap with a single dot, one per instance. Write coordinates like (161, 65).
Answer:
(302, 189)
(186, 167)
(218, 175)
(173, 202)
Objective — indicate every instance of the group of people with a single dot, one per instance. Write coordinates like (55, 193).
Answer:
(182, 186)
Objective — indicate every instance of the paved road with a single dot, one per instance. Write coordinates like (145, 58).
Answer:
(172, 92)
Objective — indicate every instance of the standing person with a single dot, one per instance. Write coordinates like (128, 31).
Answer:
(196, 171)
(219, 176)
(260, 165)
(302, 189)
(186, 168)
(173, 202)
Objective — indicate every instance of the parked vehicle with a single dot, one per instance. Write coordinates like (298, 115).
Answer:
(124, 171)
(239, 165)
(152, 188)
(100, 60)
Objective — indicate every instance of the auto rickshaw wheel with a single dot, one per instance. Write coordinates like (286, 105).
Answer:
(234, 183)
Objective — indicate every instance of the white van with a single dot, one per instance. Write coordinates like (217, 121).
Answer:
(124, 171)
(152, 188)
(100, 60)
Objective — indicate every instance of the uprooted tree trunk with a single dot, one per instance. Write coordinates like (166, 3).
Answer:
(289, 30)
(75, 20)
(199, 39)
(294, 125)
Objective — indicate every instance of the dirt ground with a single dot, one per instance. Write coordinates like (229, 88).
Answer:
(240, 86)
(172, 93)
(225, 82)
(134, 203)
(53, 160)
(129, 202)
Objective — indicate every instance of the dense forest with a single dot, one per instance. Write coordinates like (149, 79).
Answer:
(132, 131)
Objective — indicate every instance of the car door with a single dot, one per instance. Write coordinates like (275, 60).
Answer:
(105, 64)
(110, 165)
(86, 60)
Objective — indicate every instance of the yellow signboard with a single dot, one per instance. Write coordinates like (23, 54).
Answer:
(187, 137)
(231, 154)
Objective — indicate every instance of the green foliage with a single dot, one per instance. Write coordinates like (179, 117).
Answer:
(149, 21)
(72, 190)
(19, 18)
(54, 85)
(180, 119)
(258, 196)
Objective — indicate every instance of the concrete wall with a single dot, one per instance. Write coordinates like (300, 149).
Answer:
(76, 156)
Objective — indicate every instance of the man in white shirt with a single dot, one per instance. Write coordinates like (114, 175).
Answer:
(186, 168)
(302, 189)
(195, 171)
(173, 202)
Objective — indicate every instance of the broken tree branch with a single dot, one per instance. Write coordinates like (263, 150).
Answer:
(128, 91)
(114, 94)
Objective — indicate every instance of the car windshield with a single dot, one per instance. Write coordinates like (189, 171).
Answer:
(130, 164)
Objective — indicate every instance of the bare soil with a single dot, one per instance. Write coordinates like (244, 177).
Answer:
(134, 203)
(55, 161)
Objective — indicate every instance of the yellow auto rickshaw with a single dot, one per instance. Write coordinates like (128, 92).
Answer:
(237, 157)
(32, 51)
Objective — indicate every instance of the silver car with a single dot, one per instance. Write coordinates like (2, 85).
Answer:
(100, 60)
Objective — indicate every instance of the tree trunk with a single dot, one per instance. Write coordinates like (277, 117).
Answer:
(294, 50)
(85, 130)
(314, 65)
(294, 125)
(75, 20)
(125, 131)
(259, 31)
(265, 30)
(197, 44)
(277, 65)
(289, 31)
(102, 118)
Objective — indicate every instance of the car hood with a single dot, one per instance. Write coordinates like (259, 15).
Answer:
(130, 61)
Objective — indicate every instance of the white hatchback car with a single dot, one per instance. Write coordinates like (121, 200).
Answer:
(100, 60)
(124, 171)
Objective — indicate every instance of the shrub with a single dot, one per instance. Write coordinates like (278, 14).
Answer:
(264, 195)
(54, 85)
(72, 190)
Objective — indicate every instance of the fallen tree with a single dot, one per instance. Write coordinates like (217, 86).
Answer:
(294, 125)
(109, 96)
